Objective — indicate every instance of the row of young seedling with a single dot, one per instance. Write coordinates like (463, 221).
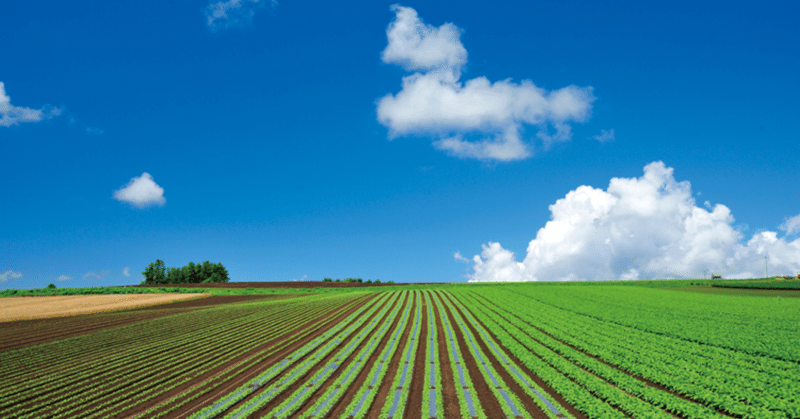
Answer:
(174, 378)
(345, 347)
(207, 386)
(511, 338)
(183, 355)
(745, 396)
(260, 382)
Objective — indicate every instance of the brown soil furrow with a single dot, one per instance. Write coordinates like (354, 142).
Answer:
(642, 379)
(22, 333)
(320, 363)
(543, 385)
(449, 396)
(385, 386)
(414, 410)
(347, 398)
(217, 300)
(489, 403)
(362, 375)
(529, 405)
(237, 359)
(245, 376)
(585, 370)
(122, 369)
(144, 373)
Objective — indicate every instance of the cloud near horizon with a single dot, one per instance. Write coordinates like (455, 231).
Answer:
(141, 192)
(14, 115)
(639, 228)
(434, 102)
(9, 274)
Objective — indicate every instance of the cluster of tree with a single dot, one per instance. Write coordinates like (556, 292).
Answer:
(359, 280)
(157, 273)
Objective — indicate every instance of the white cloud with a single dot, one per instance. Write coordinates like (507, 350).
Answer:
(433, 101)
(92, 275)
(791, 225)
(141, 191)
(605, 136)
(94, 131)
(457, 256)
(225, 14)
(63, 278)
(639, 228)
(126, 271)
(5, 276)
(13, 115)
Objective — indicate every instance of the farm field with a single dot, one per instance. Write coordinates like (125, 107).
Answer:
(422, 351)
(55, 306)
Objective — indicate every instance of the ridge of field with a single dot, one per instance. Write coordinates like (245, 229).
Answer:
(417, 351)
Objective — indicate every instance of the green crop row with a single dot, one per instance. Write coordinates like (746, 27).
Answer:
(546, 403)
(132, 371)
(396, 400)
(746, 396)
(468, 402)
(78, 373)
(343, 342)
(209, 385)
(228, 400)
(337, 388)
(365, 396)
(509, 402)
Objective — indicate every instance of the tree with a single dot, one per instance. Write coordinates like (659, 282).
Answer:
(190, 274)
(51, 286)
(154, 274)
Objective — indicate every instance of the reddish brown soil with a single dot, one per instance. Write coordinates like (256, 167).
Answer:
(528, 404)
(209, 398)
(276, 284)
(22, 333)
(347, 397)
(145, 375)
(385, 386)
(320, 363)
(449, 396)
(642, 379)
(571, 409)
(216, 300)
(414, 408)
(274, 344)
(489, 403)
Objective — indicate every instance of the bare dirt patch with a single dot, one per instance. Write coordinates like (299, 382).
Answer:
(20, 308)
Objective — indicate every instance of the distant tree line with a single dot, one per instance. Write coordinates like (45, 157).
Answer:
(157, 273)
(358, 280)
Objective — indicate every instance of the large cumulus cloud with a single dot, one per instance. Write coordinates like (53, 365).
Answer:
(638, 228)
(434, 102)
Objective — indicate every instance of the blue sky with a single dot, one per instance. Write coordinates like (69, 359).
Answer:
(279, 139)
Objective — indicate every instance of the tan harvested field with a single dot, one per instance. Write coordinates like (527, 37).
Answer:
(19, 308)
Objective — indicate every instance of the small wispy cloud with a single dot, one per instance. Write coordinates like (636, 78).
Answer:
(126, 271)
(791, 225)
(605, 136)
(141, 192)
(457, 256)
(5, 276)
(94, 131)
(63, 278)
(91, 275)
(14, 115)
(226, 14)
